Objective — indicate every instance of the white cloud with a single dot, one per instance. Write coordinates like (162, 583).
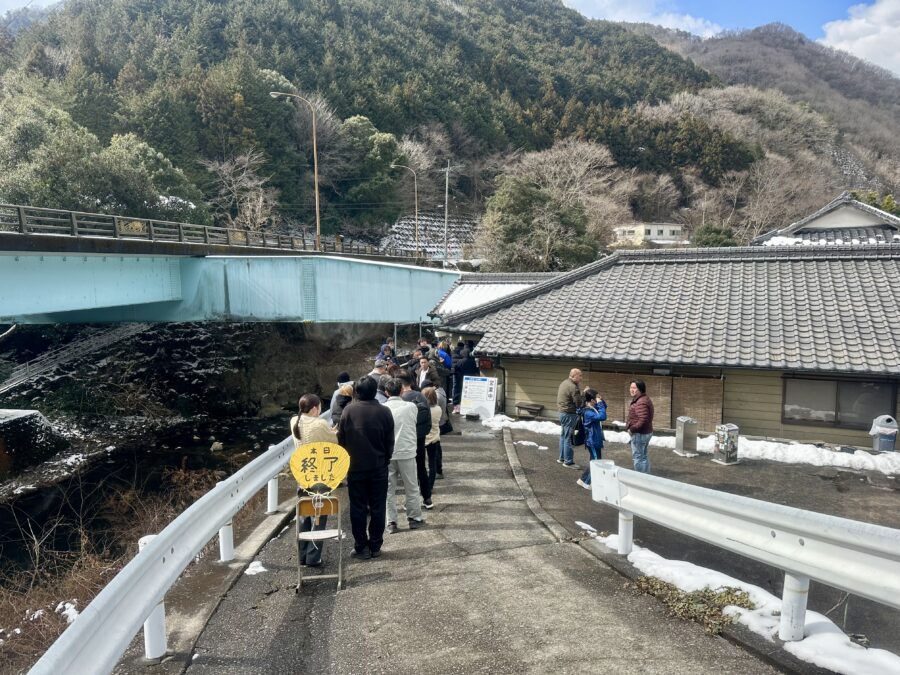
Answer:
(871, 32)
(647, 11)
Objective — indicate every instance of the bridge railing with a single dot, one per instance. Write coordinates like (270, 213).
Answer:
(99, 636)
(860, 558)
(32, 220)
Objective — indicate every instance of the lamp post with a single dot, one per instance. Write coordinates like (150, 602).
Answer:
(312, 108)
(415, 196)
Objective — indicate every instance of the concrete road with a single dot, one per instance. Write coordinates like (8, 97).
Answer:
(484, 588)
(866, 496)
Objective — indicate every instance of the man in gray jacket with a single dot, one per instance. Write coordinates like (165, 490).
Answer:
(403, 461)
(568, 401)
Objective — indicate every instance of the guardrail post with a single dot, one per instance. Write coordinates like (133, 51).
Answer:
(180, 232)
(226, 542)
(115, 227)
(151, 233)
(206, 234)
(272, 496)
(626, 532)
(793, 607)
(155, 624)
(23, 222)
(74, 223)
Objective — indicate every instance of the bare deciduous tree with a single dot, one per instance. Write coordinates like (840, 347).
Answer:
(244, 199)
(584, 174)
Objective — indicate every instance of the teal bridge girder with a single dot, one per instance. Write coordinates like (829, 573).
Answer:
(61, 287)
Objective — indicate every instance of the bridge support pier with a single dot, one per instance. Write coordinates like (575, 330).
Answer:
(155, 626)
(793, 607)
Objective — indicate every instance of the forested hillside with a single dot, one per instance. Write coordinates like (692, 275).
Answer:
(861, 99)
(162, 108)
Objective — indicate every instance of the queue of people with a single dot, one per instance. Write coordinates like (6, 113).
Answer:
(583, 411)
(390, 422)
(445, 366)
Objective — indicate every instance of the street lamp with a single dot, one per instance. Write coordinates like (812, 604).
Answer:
(312, 108)
(415, 195)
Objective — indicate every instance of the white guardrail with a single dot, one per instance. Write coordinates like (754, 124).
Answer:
(99, 636)
(859, 558)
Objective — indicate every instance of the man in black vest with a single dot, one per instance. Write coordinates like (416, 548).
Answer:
(366, 431)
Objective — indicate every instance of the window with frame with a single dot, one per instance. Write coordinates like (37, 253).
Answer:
(647, 231)
(842, 403)
(660, 232)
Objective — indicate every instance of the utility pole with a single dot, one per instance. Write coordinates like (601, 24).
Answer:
(446, 206)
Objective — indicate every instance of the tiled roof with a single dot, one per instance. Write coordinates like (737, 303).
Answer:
(472, 290)
(402, 235)
(831, 309)
(852, 236)
(804, 230)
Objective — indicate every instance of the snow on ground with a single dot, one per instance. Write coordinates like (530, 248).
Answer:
(530, 444)
(255, 567)
(887, 463)
(825, 644)
(73, 460)
(67, 609)
(497, 422)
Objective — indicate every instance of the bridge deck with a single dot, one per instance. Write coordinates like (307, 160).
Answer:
(485, 587)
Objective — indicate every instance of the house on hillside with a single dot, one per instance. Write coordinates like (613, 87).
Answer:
(797, 342)
(460, 235)
(842, 222)
(653, 235)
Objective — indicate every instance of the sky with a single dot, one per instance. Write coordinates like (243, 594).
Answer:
(869, 30)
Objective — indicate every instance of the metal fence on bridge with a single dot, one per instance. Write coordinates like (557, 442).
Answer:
(40, 221)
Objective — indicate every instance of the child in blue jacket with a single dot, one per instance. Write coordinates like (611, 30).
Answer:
(593, 414)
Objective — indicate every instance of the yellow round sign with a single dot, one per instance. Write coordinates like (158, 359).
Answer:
(320, 464)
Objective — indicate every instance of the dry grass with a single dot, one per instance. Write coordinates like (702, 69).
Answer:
(704, 606)
(100, 543)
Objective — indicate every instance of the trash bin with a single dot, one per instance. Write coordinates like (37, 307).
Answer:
(883, 433)
(686, 436)
(726, 451)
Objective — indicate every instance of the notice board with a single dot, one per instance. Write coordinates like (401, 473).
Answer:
(479, 395)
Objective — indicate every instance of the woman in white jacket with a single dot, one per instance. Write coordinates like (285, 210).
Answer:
(308, 427)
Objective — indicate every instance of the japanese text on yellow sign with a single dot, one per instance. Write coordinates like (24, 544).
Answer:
(318, 464)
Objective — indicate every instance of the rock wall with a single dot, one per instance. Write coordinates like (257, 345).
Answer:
(219, 370)
(26, 438)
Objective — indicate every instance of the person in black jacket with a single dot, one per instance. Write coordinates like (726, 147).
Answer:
(423, 426)
(366, 431)
(466, 365)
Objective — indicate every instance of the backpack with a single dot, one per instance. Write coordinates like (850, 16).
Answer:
(578, 434)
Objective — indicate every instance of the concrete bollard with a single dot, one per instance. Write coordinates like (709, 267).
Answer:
(155, 624)
(226, 542)
(793, 607)
(272, 496)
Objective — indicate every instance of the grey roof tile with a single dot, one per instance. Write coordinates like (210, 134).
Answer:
(800, 308)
